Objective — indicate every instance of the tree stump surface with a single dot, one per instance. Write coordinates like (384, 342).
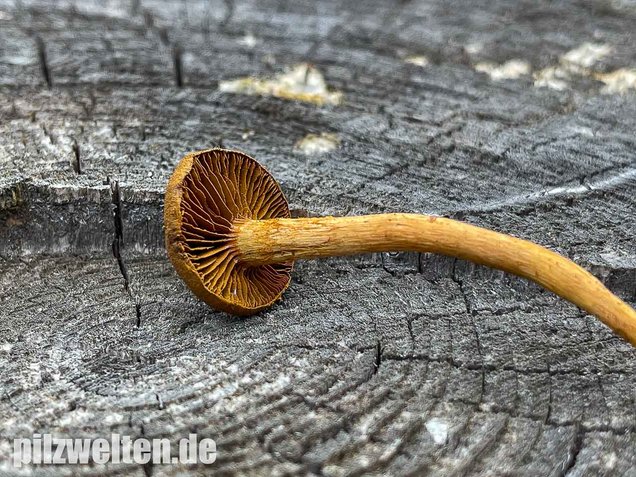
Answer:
(387, 364)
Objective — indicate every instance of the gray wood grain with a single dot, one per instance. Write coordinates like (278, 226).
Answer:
(391, 364)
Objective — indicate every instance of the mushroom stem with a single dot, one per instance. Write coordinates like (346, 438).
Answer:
(261, 242)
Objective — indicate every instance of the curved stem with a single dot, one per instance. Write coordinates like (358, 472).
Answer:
(284, 240)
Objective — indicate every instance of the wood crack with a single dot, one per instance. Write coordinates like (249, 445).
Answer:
(44, 65)
(177, 61)
(573, 453)
(118, 245)
(76, 162)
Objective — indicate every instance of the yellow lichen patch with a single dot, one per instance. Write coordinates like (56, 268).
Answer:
(418, 60)
(618, 81)
(553, 77)
(509, 70)
(576, 62)
(301, 83)
(586, 55)
(314, 144)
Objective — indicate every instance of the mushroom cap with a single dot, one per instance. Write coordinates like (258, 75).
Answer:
(210, 191)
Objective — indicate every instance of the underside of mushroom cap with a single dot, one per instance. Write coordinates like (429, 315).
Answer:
(208, 193)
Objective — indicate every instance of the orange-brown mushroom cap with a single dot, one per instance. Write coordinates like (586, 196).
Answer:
(208, 193)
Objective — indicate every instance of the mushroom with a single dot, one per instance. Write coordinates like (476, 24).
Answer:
(230, 237)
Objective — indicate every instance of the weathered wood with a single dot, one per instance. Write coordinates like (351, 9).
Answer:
(381, 364)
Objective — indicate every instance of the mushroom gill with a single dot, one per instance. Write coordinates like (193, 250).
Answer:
(208, 194)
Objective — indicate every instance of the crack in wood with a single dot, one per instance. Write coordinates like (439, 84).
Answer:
(76, 162)
(573, 453)
(177, 62)
(379, 350)
(118, 240)
(118, 245)
(44, 65)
